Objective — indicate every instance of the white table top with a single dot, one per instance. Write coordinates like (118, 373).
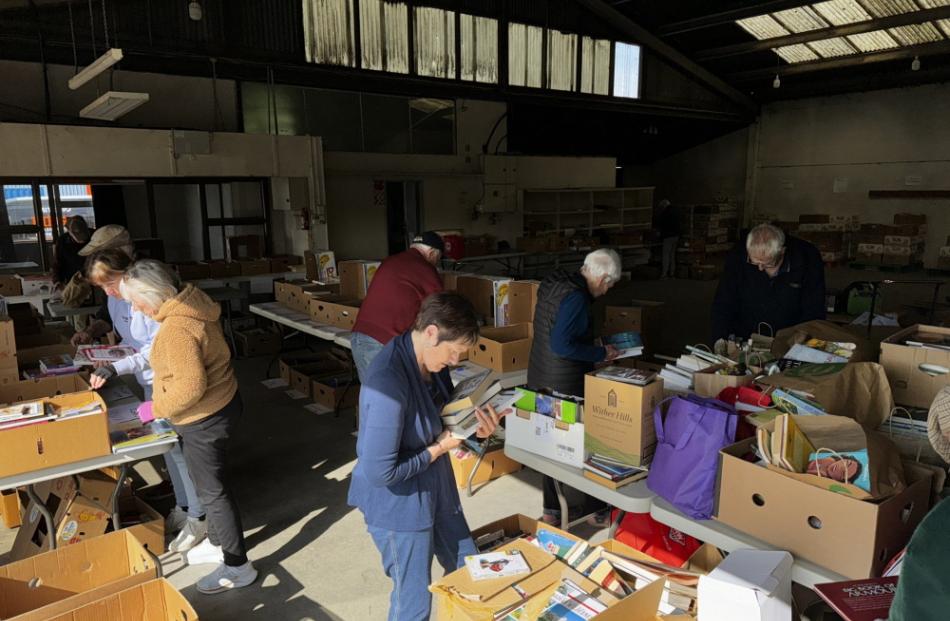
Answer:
(65, 470)
(300, 322)
(58, 309)
(632, 498)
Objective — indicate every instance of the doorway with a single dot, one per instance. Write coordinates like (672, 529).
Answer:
(403, 214)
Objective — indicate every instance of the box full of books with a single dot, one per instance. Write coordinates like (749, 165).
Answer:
(917, 363)
(618, 414)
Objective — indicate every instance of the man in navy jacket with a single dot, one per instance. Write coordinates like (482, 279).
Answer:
(770, 279)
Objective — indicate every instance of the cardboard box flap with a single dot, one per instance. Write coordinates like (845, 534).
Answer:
(762, 572)
(498, 594)
(507, 334)
(640, 606)
(156, 600)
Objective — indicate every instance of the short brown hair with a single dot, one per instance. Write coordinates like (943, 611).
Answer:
(107, 265)
(452, 314)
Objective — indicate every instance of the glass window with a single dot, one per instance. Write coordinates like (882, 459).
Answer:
(524, 55)
(386, 124)
(335, 117)
(384, 36)
(595, 66)
(434, 42)
(479, 48)
(17, 206)
(74, 200)
(626, 70)
(254, 108)
(328, 29)
(433, 126)
(562, 60)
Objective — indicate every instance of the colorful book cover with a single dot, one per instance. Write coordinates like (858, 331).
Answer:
(796, 448)
(860, 600)
(568, 603)
(556, 544)
(629, 344)
(845, 466)
(496, 565)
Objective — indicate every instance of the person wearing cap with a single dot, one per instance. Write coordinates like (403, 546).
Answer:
(110, 254)
(67, 260)
(395, 295)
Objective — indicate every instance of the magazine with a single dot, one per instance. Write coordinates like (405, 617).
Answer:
(860, 600)
(568, 603)
(156, 431)
(91, 354)
(496, 565)
(629, 344)
(851, 467)
(638, 377)
(60, 364)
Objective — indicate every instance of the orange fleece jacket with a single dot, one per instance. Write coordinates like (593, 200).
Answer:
(191, 360)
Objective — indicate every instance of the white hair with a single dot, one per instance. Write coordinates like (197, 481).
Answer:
(149, 283)
(423, 247)
(767, 239)
(603, 262)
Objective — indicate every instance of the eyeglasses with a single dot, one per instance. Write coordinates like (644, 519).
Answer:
(768, 266)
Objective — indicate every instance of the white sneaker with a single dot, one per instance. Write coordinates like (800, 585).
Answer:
(225, 578)
(190, 535)
(176, 520)
(205, 553)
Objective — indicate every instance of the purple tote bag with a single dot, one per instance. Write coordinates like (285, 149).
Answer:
(690, 432)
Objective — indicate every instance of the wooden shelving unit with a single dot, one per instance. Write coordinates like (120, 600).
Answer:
(587, 210)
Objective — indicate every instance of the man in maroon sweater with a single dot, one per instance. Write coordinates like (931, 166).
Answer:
(400, 285)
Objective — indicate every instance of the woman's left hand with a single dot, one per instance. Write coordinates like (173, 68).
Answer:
(488, 420)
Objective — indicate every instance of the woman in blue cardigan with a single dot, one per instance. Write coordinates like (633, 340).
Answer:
(403, 482)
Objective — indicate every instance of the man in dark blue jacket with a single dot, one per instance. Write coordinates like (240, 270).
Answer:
(770, 279)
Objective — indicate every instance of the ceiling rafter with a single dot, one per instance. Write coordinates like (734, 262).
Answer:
(726, 17)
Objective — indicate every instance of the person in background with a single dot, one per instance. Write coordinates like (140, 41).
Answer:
(403, 482)
(400, 285)
(195, 389)
(67, 257)
(770, 279)
(670, 234)
(563, 350)
(112, 253)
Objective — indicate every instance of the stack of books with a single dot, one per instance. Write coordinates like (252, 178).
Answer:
(610, 472)
(23, 414)
(477, 391)
(797, 402)
(60, 364)
(681, 585)
(678, 373)
(638, 377)
(592, 562)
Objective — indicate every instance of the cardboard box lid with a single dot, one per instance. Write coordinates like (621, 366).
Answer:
(759, 570)
(156, 600)
(507, 334)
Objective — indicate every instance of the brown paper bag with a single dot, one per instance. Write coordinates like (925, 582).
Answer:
(857, 390)
(843, 434)
(866, 350)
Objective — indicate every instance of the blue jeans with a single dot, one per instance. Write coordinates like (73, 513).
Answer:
(364, 348)
(407, 560)
(184, 488)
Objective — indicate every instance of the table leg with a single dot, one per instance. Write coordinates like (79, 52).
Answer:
(114, 501)
(562, 503)
(482, 451)
(47, 516)
(615, 524)
(227, 313)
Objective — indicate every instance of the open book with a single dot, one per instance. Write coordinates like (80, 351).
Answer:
(464, 424)
(629, 344)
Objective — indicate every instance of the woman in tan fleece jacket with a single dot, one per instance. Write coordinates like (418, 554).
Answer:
(195, 388)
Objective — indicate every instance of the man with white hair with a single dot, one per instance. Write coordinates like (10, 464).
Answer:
(563, 350)
(771, 279)
(392, 302)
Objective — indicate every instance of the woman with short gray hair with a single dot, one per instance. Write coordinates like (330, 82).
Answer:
(196, 390)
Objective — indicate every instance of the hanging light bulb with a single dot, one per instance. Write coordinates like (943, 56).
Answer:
(915, 65)
(777, 82)
(195, 11)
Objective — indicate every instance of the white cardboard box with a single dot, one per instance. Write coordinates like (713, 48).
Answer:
(546, 436)
(749, 585)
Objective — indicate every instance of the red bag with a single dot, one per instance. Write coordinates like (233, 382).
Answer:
(749, 396)
(667, 545)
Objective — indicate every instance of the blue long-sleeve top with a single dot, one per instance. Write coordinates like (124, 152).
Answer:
(394, 484)
(569, 336)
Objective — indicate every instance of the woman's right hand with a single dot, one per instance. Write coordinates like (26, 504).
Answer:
(443, 444)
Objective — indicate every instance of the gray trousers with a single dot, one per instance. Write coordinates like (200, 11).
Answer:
(205, 445)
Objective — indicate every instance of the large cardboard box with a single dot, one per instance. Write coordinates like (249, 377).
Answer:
(10, 286)
(283, 263)
(708, 383)
(331, 359)
(224, 269)
(36, 284)
(356, 276)
(516, 525)
(494, 465)
(54, 583)
(321, 265)
(852, 537)
(911, 385)
(642, 316)
(336, 390)
(156, 600)
(503, 349)
(302, 294)
(193, 271)
(336, 310)
(253, 267)
(618, 419)
(749, 585)
(257, 342)
(54, 443)
(522, 300)
(28, 390)
(302, 376)
(488, 294)
(546, 436)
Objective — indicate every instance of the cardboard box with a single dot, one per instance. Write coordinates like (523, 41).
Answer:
(356, 276)
(503, 349)
(283, 263)
(546, 436)
(495, 464)
(522, 300)
(31, 356)
(193, 271)
(852, 537)
(618, 419)
(642, 316)
(28, 390)
(749, 585)
(707, 383)
(303, 294)
(288, 363)
(565, 410)
(8, 345)
(224, 269)
(245, 247)
(301, 377)
(53, 583)
(156, 600)
(321, 265)
(501, 299)
(814, 218)
(335, 310)
(910, 218)
(912, 386)
(257, 342)
(36, 284)
(516, 525)
(10, 285)
(10, 508)
(284, 290)
(254, 267)
(338, 390)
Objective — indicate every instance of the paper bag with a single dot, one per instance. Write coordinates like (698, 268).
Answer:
(843, 434)
(858, 390)
(866, 350)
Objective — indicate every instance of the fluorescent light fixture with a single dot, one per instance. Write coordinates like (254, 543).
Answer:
(112, 105)
(99, 65)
